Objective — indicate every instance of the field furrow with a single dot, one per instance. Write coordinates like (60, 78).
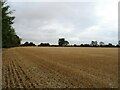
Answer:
(60, 67)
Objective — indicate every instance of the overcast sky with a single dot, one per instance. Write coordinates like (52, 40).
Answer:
(77, 22)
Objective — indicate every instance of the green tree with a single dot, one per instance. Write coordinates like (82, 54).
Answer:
(62, 42)
(9, 37)
(66, 43)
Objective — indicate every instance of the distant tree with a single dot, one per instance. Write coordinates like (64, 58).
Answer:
(28, 44)
(65, 43)
(94, 43)
(74, 45)
(110, 44)
(82, 45)
(119, 42)
(9, 37)
(31, 44)
(86, 45)
(117, 45)
(62, 42)
(101, 44)
(44, 44)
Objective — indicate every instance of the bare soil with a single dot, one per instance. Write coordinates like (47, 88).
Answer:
(60, 67)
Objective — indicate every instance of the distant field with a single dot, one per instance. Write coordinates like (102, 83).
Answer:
(60, 67)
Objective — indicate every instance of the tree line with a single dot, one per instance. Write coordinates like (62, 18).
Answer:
(63, 43)
(9, 37)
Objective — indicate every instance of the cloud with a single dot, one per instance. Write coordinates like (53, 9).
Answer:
(78, 22)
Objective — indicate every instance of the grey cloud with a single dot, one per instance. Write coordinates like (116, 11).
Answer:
(47, 21)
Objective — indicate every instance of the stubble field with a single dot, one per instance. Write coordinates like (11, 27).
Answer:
(60, 67)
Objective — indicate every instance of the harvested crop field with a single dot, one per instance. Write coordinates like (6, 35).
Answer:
(60, 67)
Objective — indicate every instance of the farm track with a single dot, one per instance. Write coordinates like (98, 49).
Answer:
(32, 67)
